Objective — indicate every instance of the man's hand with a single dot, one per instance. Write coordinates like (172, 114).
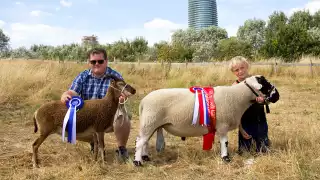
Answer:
(67, 96)
(122, 98)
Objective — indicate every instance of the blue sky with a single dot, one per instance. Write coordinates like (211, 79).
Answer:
(56, 22)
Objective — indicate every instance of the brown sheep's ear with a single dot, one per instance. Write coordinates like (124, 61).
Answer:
(113, 77)
(112, 81)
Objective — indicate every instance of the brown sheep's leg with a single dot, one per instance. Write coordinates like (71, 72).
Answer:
(100, 137)
(35, 147)
(95, 147)
(122, 131)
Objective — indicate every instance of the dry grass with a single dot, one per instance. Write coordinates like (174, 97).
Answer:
(293, 127)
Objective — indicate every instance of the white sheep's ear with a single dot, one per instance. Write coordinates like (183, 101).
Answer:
(256, 85)
(254, 82)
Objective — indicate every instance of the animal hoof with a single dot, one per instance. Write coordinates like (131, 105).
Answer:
(35, 166)
(226, 159)
(145, 158)
(183, 138)
(137, 163)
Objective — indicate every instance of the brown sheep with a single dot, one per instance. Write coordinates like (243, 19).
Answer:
(93, 119)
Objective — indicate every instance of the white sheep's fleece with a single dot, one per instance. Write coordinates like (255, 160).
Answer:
(167, 107)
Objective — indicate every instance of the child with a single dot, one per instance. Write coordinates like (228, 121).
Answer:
(253, 127)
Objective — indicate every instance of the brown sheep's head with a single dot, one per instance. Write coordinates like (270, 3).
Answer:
(120, 87)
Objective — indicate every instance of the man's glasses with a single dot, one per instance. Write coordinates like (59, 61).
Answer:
(93, 62)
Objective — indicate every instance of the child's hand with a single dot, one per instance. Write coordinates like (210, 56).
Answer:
(245, 134)
(260, 99)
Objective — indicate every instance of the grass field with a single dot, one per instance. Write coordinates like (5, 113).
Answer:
(294, 124)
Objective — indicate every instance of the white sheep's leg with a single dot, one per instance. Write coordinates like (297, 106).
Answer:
(224, 148)
(140, 142)
(160, 143)
(100, 136)
(145, 156)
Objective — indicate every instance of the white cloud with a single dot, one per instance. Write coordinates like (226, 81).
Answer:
(312, 6)
(158, 23)
(38, 13)
(18, 3)
(65, 3)
(22, 34)
(2, 23)
(57, 8)
(28, 34)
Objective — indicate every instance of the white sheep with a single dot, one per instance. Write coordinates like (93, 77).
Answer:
(93, 120)
(172, 109)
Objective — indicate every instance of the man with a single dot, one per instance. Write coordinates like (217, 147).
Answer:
(93, 84)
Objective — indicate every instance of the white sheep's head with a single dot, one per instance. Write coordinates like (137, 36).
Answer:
(121, 87)
(261, 84)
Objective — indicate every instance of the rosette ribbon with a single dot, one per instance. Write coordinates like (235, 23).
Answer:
(200, 107)
(205, 109)
(70, 119)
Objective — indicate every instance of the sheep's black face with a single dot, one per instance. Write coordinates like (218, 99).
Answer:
(268, 89)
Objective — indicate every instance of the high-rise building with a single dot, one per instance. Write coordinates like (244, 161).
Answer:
(202, 13)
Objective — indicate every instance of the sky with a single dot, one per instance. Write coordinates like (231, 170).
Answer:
(57, 22)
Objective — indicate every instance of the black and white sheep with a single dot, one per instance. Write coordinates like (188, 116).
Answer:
(94, 119)
(172, 109)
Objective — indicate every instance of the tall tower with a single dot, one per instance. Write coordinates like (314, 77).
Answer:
(202, 13)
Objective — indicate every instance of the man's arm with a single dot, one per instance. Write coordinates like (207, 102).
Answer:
(74, 90)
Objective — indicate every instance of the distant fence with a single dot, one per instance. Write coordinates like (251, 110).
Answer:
(219, 63)
(274, 65)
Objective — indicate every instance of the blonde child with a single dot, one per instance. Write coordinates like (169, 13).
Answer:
(253, 128)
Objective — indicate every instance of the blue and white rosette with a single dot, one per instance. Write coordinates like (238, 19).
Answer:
(70, 120)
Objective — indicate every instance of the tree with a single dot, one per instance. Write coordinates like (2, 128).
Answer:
(139, 46)
(163, 51)
(288, 38)
(316, 19)
(302, 19)
(4, 42)
(122, 49)
(200, 44)
(185, 37)
(314, 45)
(275, 29)
(184, 53)
(228, 48)
(212, 35)
(204, 51)
(253, 32)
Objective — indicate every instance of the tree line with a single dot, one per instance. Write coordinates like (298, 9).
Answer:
(281, 36)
